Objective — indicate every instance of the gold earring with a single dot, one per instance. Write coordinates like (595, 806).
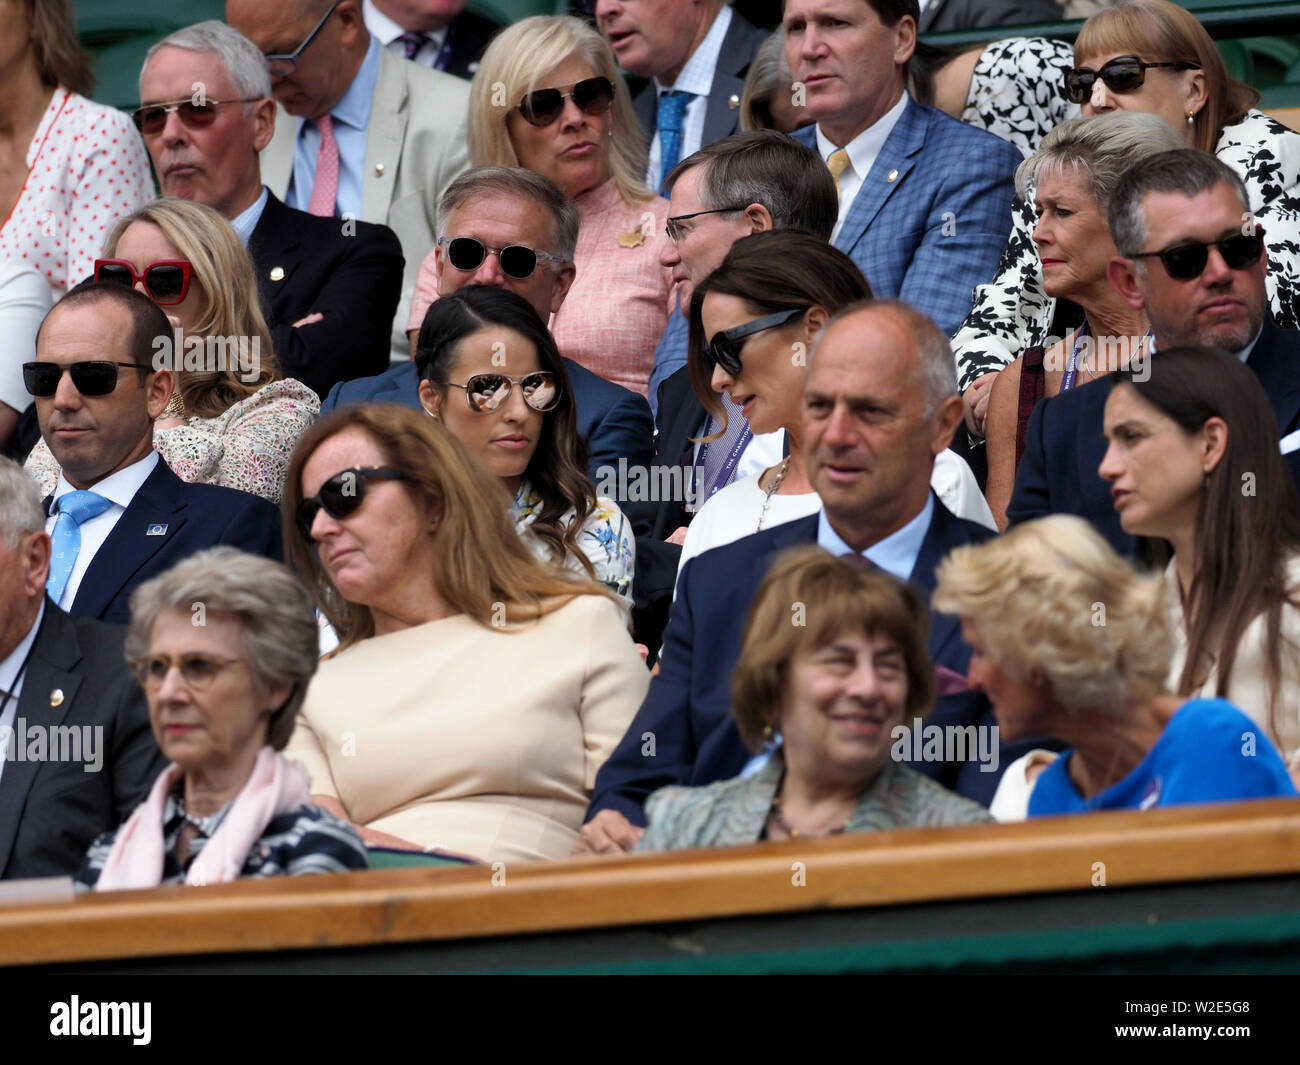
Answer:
(1191, 117)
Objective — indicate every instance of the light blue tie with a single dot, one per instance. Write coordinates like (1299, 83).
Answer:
(73, 508)
(672, 115)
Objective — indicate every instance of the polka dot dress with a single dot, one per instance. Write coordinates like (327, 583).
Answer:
(86, 167)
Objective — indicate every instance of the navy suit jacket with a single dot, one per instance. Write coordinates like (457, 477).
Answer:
(614, 421)
(1064, 445)
(688, 706)
(51, 811)
(932, 217)
(167, 521)
(306, 264)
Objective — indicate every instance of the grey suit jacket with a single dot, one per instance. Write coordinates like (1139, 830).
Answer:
(967, 14)
(76, 688)
(415, 147)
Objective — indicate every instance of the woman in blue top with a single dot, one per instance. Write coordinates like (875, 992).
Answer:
(1069, 642)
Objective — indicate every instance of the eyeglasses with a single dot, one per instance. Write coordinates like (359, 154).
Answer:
(725, 347)
(1186, 261)
(673, 226)
(342, 495)
(542, 107)
(1123, 74)
(466, 253)
(486, 392)
(94, 378)
(198, 671)
(167, 281)
(151, 118)
(281, 65)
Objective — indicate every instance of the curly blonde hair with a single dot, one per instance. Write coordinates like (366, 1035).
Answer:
(1054, 602)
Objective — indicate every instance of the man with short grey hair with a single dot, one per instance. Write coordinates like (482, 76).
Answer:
(329, 290)
(1193, 259)
(76, 751)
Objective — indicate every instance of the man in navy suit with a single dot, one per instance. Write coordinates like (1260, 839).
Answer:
(925, 200)
(1171, 200)
(503, 206)
(118, 514)
(880, 402)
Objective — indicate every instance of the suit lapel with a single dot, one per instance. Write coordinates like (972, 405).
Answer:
(272, 246)
(887, 174)
(384, 138)
(129, 546)
(943, 535)
(1275, 362)
(646, 106)
(47, 680)
(277, 157)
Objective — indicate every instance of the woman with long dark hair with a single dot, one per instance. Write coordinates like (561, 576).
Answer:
(490, 371)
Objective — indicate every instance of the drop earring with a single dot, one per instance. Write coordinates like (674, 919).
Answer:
(1191, 117)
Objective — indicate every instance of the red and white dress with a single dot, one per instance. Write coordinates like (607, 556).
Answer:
(86, 166)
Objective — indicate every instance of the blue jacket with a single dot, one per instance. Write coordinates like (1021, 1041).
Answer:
(614, 420)
(932, 217)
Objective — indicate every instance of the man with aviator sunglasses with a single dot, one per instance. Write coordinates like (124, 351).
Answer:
(1193, 259)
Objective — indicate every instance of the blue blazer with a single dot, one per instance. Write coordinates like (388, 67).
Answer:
(688, 706)
(932, 217)
(1064, 445)
(614, 420)
(167, 521)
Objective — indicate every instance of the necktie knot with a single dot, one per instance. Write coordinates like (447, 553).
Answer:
(837, 162)
(81, 506)
(412, 42)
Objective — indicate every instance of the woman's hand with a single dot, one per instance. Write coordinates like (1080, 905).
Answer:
(976, 402)
(609, 832)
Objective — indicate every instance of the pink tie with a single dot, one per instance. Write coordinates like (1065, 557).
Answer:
(325, 191)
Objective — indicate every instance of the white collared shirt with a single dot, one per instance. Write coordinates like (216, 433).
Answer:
(697, 78)
(11, 681)
(389, 34)
(863, 150)
(120, 488)
(246, 221)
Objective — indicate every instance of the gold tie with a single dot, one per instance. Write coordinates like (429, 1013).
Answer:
(837, 163)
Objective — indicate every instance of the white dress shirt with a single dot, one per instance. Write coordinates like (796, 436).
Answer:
(120, 488)
(389, 34)
(11, 681)
(696, 77)
(862, 150)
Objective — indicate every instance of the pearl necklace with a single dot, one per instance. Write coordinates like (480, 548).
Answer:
(771, 491)
(203, 824)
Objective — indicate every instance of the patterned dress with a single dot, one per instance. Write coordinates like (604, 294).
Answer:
(606, 539)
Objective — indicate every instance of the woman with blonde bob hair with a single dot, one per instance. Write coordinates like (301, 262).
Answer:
(548, 97)
(232, 419)
(833, 659)
(1069, 641)
(489, 686)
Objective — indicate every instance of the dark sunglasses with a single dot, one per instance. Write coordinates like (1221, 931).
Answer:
(151, 118)
(1123, 74)
(725, 347)
(197, 670)
(282, 64)
(542, 107)
(1186, 261)
(466, 253)
(342, 495)
(167, 281)
(94, 378)
(486, 392)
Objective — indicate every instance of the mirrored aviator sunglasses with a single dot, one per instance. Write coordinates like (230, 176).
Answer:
(542, 107)
(486, 392)
(342, 495)
(167, 281)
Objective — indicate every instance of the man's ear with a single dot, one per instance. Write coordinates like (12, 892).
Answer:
(262, 122)
(34, 553)
(563, 281)
(1123, 276)
(759, 218)
(944, 423)
(159, 388)
(904, 39)
(429, 398)
(351, 22)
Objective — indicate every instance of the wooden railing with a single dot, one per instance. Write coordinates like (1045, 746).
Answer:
(848, 872)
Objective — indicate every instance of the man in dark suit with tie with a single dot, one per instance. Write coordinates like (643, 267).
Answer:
(880, 402)
(696, 54)
(77, 751)
(1191, 202)
(498, 207)
(438, 34)
(329, 288)
(118, 514)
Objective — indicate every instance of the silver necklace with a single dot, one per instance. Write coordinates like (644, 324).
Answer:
(771, 491)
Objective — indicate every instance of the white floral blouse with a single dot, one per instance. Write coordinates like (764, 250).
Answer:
(605, 538)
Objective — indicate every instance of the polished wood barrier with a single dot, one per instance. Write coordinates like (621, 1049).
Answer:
(393, 906)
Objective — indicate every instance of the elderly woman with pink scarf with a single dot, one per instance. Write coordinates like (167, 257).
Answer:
(224, 645)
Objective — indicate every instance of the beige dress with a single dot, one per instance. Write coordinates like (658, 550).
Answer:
(465, 738)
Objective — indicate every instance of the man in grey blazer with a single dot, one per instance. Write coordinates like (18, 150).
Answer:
(939, 15)
(387, 135)
(696, 52)
(76, 750)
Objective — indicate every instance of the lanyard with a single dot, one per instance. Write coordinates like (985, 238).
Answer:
(1072, 367)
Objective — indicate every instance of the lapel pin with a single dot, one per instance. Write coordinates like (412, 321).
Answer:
(734, 102)
(892, 174)
(277, 273)
(379, 170)
(156, 530)
(56, 697)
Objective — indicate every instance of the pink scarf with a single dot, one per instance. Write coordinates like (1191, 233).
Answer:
(275, 786)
